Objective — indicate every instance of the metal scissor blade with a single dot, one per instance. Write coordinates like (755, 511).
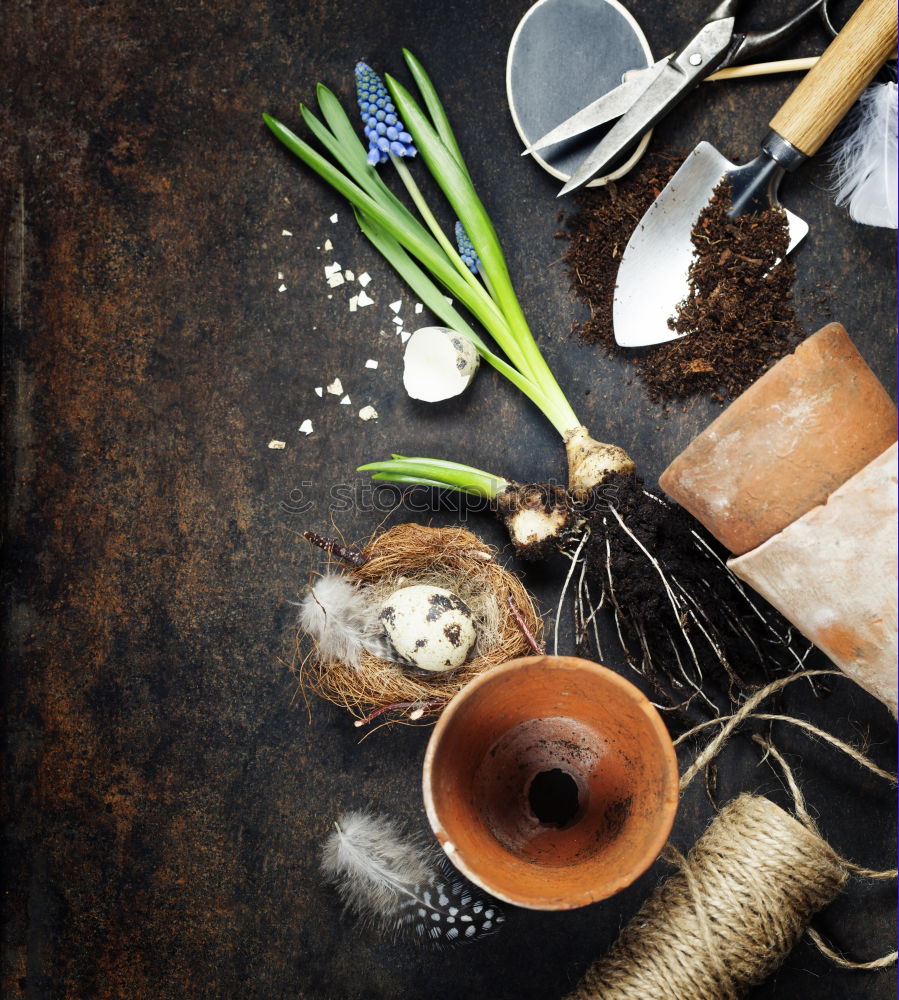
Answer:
(611, 105)
(677, 77)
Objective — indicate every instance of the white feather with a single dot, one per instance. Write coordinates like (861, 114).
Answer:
(371, 863)
(342, 620)
(864, 164)
(402, 885)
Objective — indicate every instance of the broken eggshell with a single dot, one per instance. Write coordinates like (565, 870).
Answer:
(429, 628)
(438, 364)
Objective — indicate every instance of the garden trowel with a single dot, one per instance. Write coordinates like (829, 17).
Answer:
(653, 274)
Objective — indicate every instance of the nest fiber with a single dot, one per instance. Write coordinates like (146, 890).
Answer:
(452, 558)
(743, 897)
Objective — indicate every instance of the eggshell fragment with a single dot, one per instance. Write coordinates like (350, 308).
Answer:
(429, 627)
(438, 364)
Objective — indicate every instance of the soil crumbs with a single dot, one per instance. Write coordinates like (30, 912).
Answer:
(682, 621)
(739, 314)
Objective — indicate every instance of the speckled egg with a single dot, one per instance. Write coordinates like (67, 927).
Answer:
(429, 627)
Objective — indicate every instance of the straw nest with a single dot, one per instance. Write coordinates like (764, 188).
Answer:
(452, 558)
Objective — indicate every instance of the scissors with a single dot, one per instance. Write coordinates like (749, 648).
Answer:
(645, 98)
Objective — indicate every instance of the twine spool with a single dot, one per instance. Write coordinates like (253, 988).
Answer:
(743, 897)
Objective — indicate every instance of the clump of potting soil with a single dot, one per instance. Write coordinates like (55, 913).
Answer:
(681, 618)
(739, 313)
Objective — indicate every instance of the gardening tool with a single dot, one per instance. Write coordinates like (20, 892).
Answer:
(645, 98)
(659, 252)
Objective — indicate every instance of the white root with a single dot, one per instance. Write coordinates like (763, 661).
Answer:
(580, 630)
(574, 560)
(785, 641)
(679, 610)
(592, 620)
(618, 613)
(652, 561)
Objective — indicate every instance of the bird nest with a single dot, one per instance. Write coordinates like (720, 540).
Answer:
(506, 620)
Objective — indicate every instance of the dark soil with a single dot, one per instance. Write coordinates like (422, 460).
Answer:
(715, 609)
(661, 528)
(739, 314)
(694, 630)
(598, 233)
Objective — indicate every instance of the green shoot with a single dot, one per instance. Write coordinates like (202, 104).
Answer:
(435, 472)
(435, 108)
(426, 213)
(457, 187)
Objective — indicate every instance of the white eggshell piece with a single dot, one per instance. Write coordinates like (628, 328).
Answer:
(438, 364)
(429, 627)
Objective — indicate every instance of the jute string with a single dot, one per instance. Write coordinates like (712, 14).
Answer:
(743, 896)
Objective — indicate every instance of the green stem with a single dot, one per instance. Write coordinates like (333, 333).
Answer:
(400, 224)
(456, 185)
(486, 279)
(435, 108)
(436, 301)
(428, 216)
(436, 472)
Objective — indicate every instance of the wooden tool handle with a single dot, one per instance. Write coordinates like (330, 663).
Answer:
(831, 87)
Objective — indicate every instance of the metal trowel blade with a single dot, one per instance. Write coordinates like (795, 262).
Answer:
(653, 274)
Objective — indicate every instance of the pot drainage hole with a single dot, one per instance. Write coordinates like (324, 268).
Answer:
(553, 797)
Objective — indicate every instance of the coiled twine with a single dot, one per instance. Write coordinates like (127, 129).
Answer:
(743, 897)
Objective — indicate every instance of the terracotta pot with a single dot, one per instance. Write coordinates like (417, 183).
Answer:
(832, 573)
(551, 782)
(782, 447)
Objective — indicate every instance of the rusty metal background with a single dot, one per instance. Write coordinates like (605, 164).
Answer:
(166, 790)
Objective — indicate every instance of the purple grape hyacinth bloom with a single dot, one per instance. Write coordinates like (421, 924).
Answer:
(385, 132)
(467, 251)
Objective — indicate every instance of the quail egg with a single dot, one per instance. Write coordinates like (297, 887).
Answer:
(429, 627)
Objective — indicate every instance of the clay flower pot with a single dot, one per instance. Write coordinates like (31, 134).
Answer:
(781, 448)
(832, 573)
(551, 782)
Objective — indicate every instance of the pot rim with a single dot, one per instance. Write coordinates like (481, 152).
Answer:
(664, 745)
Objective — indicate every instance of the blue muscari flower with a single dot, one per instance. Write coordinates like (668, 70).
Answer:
(385, 132)
(466, 251)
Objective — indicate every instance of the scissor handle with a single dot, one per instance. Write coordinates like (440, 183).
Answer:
(726, 8)
(831, 87)
(754, 43)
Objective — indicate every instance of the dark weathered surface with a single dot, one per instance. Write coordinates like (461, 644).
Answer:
(166, 793)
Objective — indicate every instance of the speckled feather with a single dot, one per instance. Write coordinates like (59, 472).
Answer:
(403, 886)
